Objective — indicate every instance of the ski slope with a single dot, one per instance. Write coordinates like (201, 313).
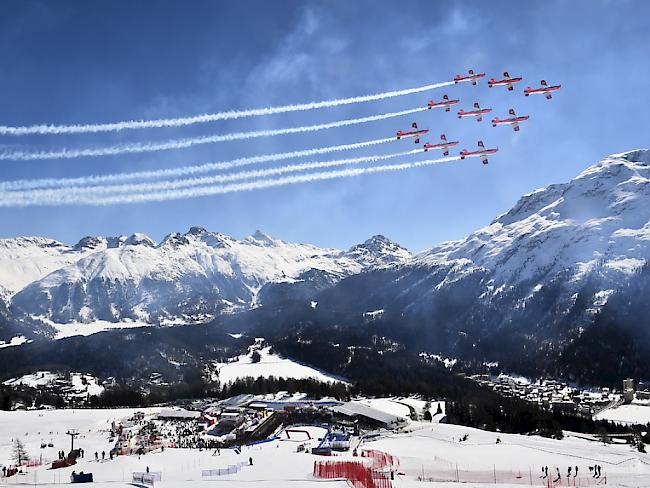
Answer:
(269, 365)
(627, 414)
(424, 448)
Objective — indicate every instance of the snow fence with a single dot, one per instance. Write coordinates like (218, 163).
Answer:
(146, 479)
(231, 469)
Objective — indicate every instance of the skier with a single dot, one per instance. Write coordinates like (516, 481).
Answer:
(250, 461)
(568, 474)
(599, 466)
(96, 456)
(103, 455)
(559, 476)
(575, 473)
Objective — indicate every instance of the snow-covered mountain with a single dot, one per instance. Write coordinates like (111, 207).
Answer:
(187, 277)
(532, 281)
(597, 221)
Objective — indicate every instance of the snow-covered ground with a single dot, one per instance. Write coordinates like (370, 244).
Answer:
(269, 365)
(626, 414)
(432, 450)
(276, 464)
(437, 451)
(79, 383)
(88, 328)
(15, 341)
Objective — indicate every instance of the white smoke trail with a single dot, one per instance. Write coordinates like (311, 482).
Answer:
(75, 199)
(180, 171)
(199, 119)
(189, 142)
(204, 181)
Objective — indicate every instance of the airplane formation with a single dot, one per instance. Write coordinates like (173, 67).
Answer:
(477, 112)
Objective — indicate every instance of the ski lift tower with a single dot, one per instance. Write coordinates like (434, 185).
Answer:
(72, 433)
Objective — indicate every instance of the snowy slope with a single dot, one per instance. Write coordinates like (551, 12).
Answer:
(187, 277)
(27, 259)
(534, 279)
(269, 365)
(601, 218)
(430, 450)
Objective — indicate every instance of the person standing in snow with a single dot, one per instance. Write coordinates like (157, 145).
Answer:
(103, 455)
(96, 456)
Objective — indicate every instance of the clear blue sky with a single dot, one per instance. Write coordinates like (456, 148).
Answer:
(79, 61)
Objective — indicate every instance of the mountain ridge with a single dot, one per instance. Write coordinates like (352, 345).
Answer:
(191, 277)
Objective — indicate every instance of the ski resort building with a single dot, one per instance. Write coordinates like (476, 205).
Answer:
(179, 415)
(370, 415)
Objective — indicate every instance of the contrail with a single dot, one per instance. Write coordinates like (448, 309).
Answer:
(28, 184)
(73, 199)
(204, 181)
(199, 119)
(189, 142)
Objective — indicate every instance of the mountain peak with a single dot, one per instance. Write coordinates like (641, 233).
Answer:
(138, 238)
(598, 220)
(197, 231)
(261, 239)
(378, 250)
(90, 242)
(636, 156)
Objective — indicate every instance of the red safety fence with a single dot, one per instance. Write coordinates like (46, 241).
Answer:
(380, 459)
(357, 474)
(33, 463)
(63, 463)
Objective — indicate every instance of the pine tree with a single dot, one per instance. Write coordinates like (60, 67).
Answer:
(19, 452)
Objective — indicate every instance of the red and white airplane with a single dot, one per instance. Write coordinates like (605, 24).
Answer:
(471, 77)
(445, 103)
(506, 81)
(544, 89)
(514, 121)
(477, 112)
(442, 145)
(413, 133)
(482, 152)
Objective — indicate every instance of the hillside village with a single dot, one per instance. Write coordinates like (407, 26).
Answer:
(557, 395)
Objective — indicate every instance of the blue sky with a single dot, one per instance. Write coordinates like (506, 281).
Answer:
(75, 61)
